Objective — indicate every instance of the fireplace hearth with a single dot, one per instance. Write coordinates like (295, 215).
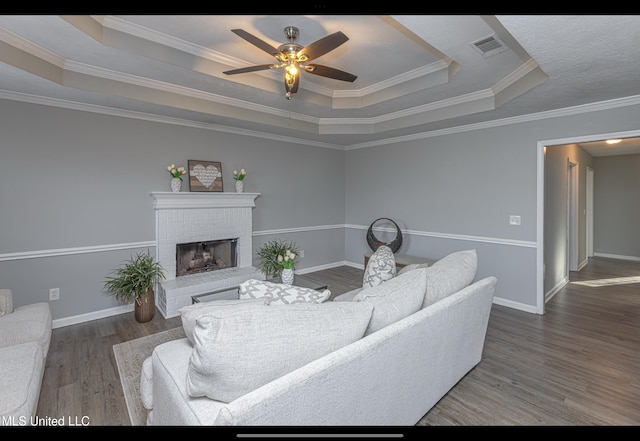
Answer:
(200, 257)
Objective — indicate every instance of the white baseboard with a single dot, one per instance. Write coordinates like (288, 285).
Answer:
(82, 318)
(327, 266)
(515, 305)
(617, 256)
(553, 291)
(583, 264)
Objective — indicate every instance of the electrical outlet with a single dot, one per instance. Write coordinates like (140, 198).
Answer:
(54, 294)
(301, 254)
(514, 220)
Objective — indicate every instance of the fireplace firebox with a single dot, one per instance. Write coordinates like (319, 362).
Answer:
(199, 257)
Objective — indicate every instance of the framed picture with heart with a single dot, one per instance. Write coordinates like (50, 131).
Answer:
(205, 176)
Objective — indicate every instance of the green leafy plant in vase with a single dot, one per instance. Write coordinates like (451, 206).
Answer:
(268, 256)
(134, 282)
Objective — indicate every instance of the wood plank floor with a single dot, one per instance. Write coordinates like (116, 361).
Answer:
(576, 365)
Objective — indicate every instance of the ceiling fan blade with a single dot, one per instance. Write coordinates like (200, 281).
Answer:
(256, 42)
(251, 69)
(322, 46)
(330, 72)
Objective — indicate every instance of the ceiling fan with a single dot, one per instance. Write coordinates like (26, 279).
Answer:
(293, 58)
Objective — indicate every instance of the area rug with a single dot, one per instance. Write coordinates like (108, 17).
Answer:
(129, 358)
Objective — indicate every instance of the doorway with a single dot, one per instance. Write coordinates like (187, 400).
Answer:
(589, 208)
(546, 292)
(572, 217)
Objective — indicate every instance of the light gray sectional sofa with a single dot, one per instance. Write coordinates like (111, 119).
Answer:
(25, 336)
(381, 355)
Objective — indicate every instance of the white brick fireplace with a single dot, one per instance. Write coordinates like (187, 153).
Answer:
(183, 217)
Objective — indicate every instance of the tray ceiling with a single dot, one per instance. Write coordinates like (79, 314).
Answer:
(416, 73)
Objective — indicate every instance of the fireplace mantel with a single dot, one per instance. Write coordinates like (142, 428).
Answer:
(167, 200)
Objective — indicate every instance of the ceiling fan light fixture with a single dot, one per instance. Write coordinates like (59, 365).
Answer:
(291, 68)
(291, 33)
(289, 79)
(289, 85)
(292, 57)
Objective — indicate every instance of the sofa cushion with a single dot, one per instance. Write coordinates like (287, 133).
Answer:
(278, 293)
(450, 274)
(237, 351)
(190, 313)
(22, 368)
(380, 268)
(411, 267)
(146, 383)
(6, 302)
(394, 299)
(347, 296)
(27, 323)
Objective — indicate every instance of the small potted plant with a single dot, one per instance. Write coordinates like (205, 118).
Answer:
(239, 178)
(268, 255)
(176, 176)
(134, 282)
(287, 263)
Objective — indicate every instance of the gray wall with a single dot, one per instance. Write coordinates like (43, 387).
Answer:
(616, 201)
(556, 214)
(73, 179)
(457, 190)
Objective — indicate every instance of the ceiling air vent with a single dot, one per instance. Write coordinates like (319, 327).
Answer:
(489, 46)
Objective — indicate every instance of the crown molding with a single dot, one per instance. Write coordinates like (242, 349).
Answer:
(568, 111)
(103, 110)
(30, 48)
(585, 108)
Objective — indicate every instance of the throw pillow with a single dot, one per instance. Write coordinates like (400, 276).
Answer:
(380, 268)
(236, 352)
(395, 299)
(190, 313)
(6, 302)
(278, 293)
(450, 274)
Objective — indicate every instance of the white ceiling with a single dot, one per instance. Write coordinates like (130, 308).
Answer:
(416, 73)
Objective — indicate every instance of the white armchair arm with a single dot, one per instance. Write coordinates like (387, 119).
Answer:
(6, 302)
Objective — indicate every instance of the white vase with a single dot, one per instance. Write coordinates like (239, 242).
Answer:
(176, 184)
(287, 276)
(239, 186)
